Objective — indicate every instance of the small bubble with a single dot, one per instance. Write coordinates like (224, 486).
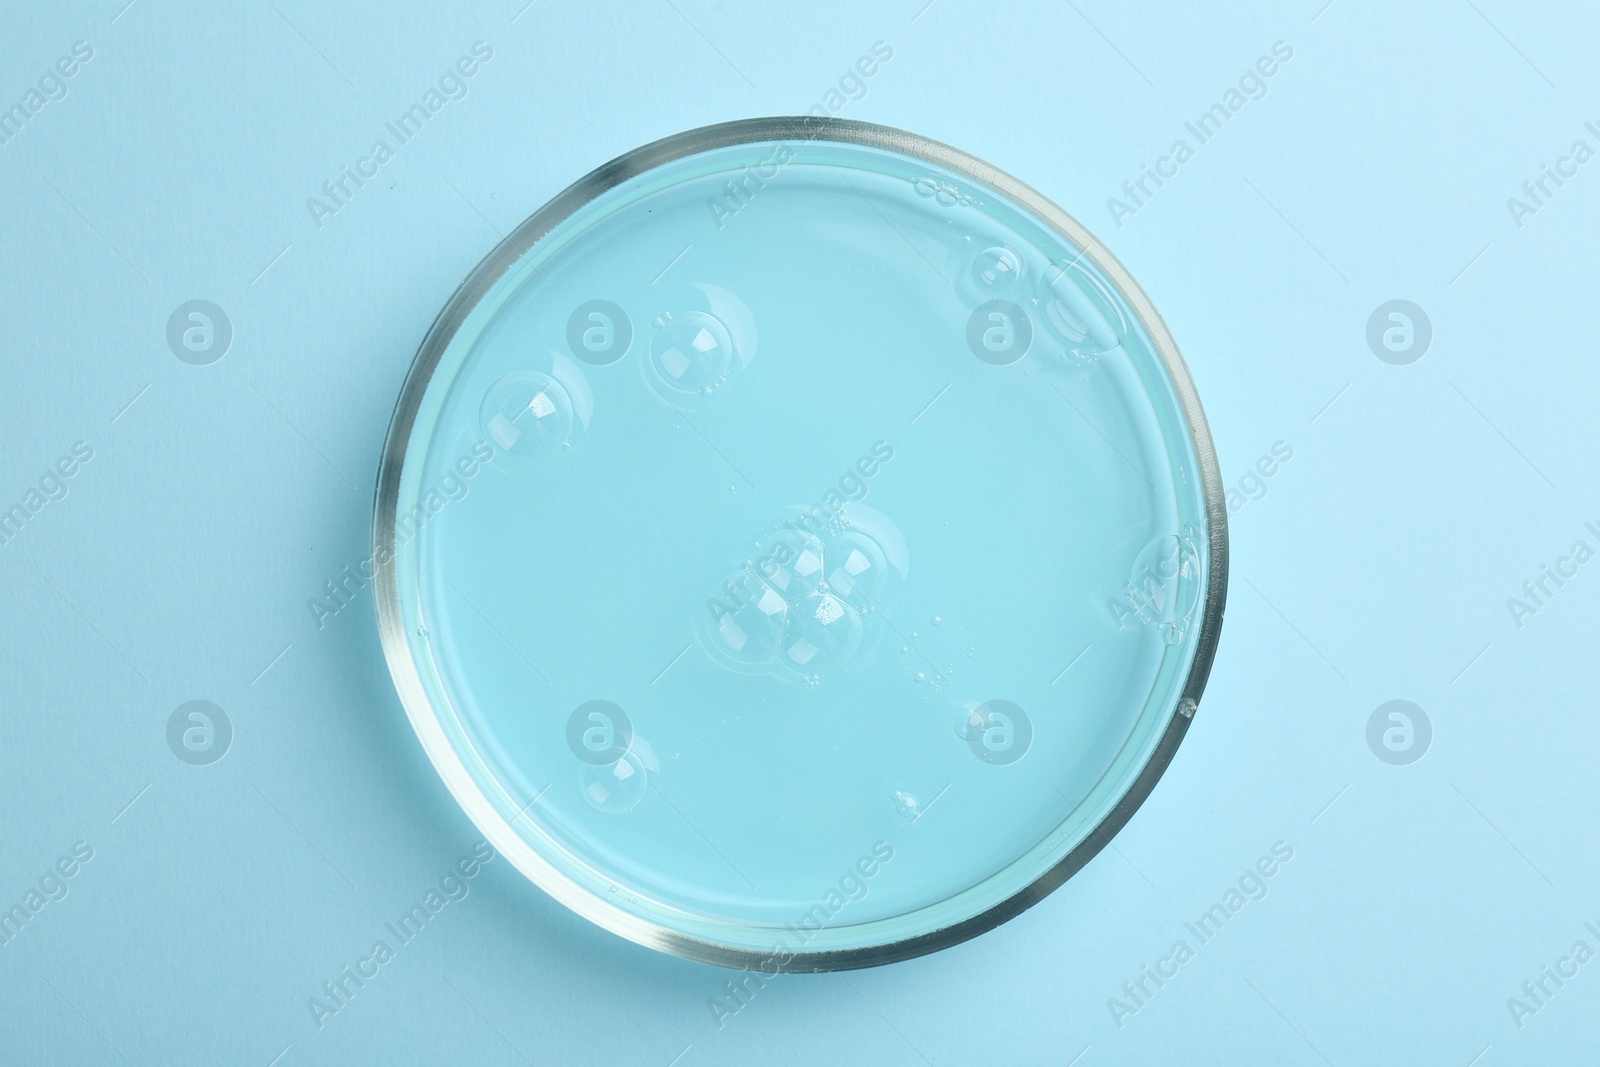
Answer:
(921, 676)
(915, 635)
(615, 789)
(734, 489)
(422, 631)
(904, 649)
(937, 620)
(905, 804)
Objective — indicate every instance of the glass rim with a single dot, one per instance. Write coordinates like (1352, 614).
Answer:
(392, 629)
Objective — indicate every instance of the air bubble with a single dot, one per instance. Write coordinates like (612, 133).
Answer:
(743, 621)
(1079, 311)
(616, 788)
(691, 353)
(990, 270)
(1163, 586)
(805, 602)
(996, 270)
(793, 563)
(527, 414)
(820, 633)
(905, 804)
(856, 568)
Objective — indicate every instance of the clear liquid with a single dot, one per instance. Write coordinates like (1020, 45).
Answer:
(861, 496)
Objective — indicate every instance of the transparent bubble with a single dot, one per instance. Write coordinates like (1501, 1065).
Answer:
(994, 270)
(616, 788)
(692, 352)
(1163, 586)
(821, 633)
(1078, 309)
(745, 621)
(905, 804)
(806, 601)
(792, 562)
(856, 569)
(527, 414)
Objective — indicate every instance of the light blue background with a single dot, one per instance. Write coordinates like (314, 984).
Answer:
(1377, 566)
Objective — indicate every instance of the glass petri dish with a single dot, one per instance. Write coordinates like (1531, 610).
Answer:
(799, 546)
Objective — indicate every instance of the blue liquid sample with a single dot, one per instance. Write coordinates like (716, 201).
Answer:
(800, 544)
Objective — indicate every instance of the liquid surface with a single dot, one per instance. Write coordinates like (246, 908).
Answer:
(801, 534)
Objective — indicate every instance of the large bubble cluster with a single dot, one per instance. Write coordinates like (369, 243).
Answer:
(804, 605)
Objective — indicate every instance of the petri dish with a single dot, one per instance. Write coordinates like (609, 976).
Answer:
(799, 546)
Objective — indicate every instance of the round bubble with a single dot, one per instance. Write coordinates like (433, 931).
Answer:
(616, 788)
(743, 622)
(906, 804)
(856, 569)
(990, 272)
(1078, 311)
(821, 634)
(527, 414)
(1163, 586)
(791, 562)
(692, 352)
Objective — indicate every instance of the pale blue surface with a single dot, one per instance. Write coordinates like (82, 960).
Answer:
(1377, 565)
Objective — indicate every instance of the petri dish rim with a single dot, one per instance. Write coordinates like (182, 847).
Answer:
(392, 626)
